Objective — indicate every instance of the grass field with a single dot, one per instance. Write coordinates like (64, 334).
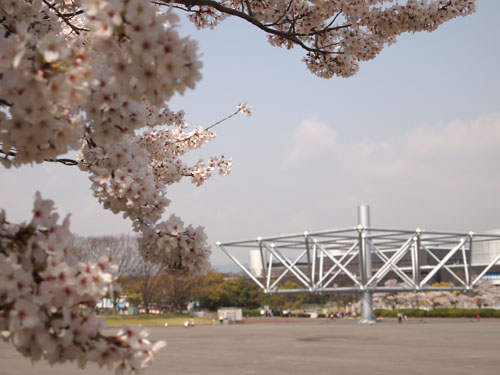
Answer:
(153, 320)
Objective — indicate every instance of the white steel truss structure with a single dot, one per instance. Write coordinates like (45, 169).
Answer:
(360, 259)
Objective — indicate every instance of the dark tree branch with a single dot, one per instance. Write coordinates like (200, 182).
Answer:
(62, 161)
(5, 102)
(76, 13)
(250, 12)
(69, 162)
(3, 251)
(10, 153)
(325, 30)
(7, 27)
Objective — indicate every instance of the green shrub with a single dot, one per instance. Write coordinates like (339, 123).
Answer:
(386, 313)
(251, 312)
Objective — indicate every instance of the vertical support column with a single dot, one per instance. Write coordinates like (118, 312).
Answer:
(469, 261)
(416, 257)
(313, 273)
(365, 258)
(309, 261)
(320, 270)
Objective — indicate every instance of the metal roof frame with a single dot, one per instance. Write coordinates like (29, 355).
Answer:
(317, 259)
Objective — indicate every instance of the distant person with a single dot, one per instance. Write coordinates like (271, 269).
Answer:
(478, 317)
(400, 318)
(221, 319)
(405, 316)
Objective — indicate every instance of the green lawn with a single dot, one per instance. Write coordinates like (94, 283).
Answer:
(153, 320)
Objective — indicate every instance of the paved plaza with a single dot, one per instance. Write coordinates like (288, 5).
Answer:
(433, 346)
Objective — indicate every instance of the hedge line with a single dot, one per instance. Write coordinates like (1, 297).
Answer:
(441, 313)
(416, 313)
(251, 312)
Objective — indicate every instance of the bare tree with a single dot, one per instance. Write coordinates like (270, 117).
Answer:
(177, 289)
(122, 250)
(147, 277)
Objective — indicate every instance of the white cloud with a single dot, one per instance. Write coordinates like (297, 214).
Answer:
(309, 140)
(448, 150)
(435, 176)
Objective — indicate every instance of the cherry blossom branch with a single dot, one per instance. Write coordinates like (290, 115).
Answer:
(65, 17)
(293, 37)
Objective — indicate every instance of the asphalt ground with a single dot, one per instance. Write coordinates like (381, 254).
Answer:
(280, 346)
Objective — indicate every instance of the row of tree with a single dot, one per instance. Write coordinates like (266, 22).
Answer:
(147, 284)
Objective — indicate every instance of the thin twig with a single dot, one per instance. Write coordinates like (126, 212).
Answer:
(281, 17)
(224, 119)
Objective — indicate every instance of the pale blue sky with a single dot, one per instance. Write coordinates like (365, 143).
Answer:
(415, 134)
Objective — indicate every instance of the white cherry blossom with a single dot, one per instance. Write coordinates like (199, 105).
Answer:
(40, 297)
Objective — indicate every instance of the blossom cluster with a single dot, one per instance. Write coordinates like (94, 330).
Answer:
(182, 249)
(43, 78)
(104, 73)
(337, 35)
(44, 291)
(127, 179)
